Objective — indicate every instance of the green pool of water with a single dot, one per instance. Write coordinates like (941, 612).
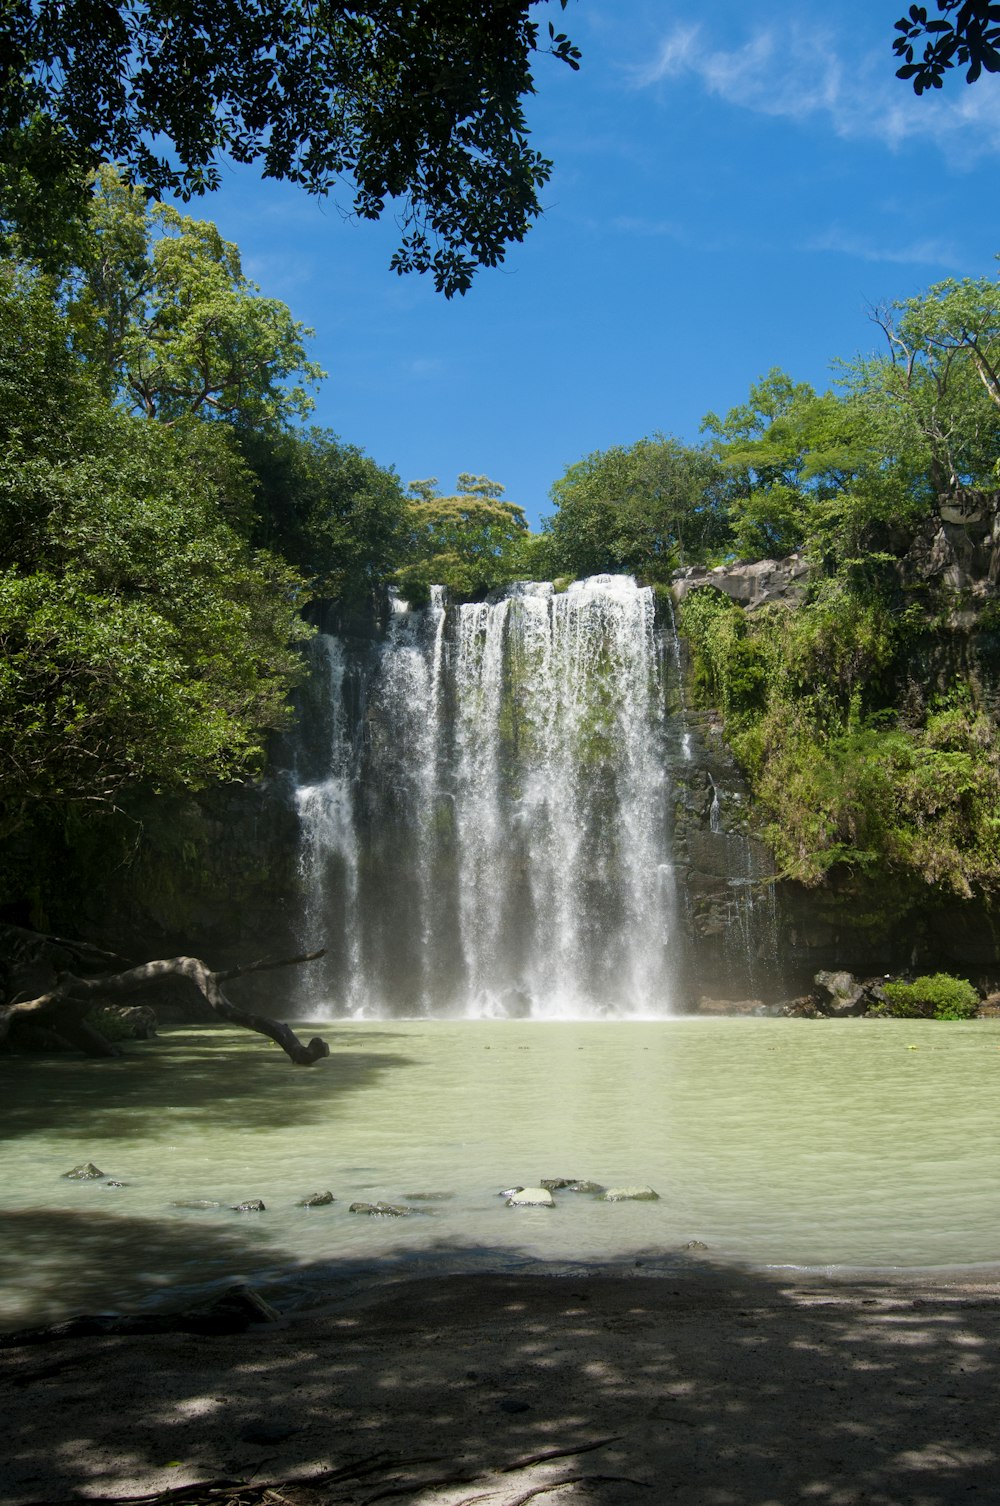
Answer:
(809, 1143)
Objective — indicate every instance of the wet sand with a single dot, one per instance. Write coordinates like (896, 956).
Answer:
(705, 1387)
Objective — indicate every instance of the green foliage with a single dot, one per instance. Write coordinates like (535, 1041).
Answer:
(143, 643)
(328, 509)
(417, 106)
(934, 996)
(160, 307)
(643, 509)
(469, 542)
(810, 696)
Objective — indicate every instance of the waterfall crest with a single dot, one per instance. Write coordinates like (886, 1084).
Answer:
(489, 831)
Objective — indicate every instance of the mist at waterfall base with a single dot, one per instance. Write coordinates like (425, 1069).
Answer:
(485, 810)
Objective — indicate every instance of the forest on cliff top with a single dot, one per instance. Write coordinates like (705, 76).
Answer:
(169, 517)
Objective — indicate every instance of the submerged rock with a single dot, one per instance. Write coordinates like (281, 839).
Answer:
(86, 1172)
(429, 1197)
(250, 1205)
(197, 1203)
(381, 1210)
(630, 1195)
(694, 1244)
(509, 1191)
(114, 1183)
(316, 1200)
(595, 1188)
(531, 1197)
(553, 1184)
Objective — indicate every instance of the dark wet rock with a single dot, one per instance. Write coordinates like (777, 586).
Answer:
(595, 1188)
(198, 1204)
(250, 1205)
(636, 1194)
(805, 1007)
(381, 1210)
(429, 1197)
(113, 1183)
(531, 1197)
(237, 1305)
(515, 1004)
(86, 1172)
(509, 1191)
(554, 1184)
(726, 1007)
(694, 1244)
(316, 1200)
(232, 1311)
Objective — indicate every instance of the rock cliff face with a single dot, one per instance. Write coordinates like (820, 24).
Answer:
(791, 932)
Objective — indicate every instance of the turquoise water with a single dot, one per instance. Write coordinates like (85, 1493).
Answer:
(812, 1143)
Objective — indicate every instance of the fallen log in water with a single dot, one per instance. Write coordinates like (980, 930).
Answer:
(63, 1008)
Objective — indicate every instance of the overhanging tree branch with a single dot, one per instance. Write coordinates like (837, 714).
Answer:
(66, 1006)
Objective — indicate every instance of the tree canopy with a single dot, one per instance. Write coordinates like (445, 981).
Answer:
(143, 642)
(160, 309)
(418, 105)
(468, 542)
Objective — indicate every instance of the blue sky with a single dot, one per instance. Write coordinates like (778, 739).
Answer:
(730, 193)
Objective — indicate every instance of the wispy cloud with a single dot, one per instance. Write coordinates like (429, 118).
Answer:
(423, 368)
(926, 252)
(804, 73)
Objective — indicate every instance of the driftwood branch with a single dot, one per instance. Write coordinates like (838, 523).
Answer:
(64, 1007)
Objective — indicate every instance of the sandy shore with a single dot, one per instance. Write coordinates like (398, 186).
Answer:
(708, 1388)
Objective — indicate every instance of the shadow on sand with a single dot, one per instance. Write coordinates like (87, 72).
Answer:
(702, 1386)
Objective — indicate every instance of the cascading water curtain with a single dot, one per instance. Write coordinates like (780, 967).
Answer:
(509, 844)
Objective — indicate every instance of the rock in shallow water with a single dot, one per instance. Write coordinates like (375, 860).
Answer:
(630, 1195)
(381, 1210)
(86, 1172)
(316, 1200)
(250, 1205)
(531, 1197)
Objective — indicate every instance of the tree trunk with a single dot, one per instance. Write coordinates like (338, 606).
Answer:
(64, 1007)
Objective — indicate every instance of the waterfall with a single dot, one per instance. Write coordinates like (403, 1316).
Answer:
(491, 835)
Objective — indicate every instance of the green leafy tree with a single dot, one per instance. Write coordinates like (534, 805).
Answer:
(469, 542)
(941, 377)
(417, 105)
(328, 509)
(142, 644)
(780, 451)
(644, 508)
(161, 311)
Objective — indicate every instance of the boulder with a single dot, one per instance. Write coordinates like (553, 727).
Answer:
(531, 1197)
(316, 1200)
(630, 1195)
(381, 1210)
(842, 987)
(249, 1205)
(86, 1172)
(750, 585)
